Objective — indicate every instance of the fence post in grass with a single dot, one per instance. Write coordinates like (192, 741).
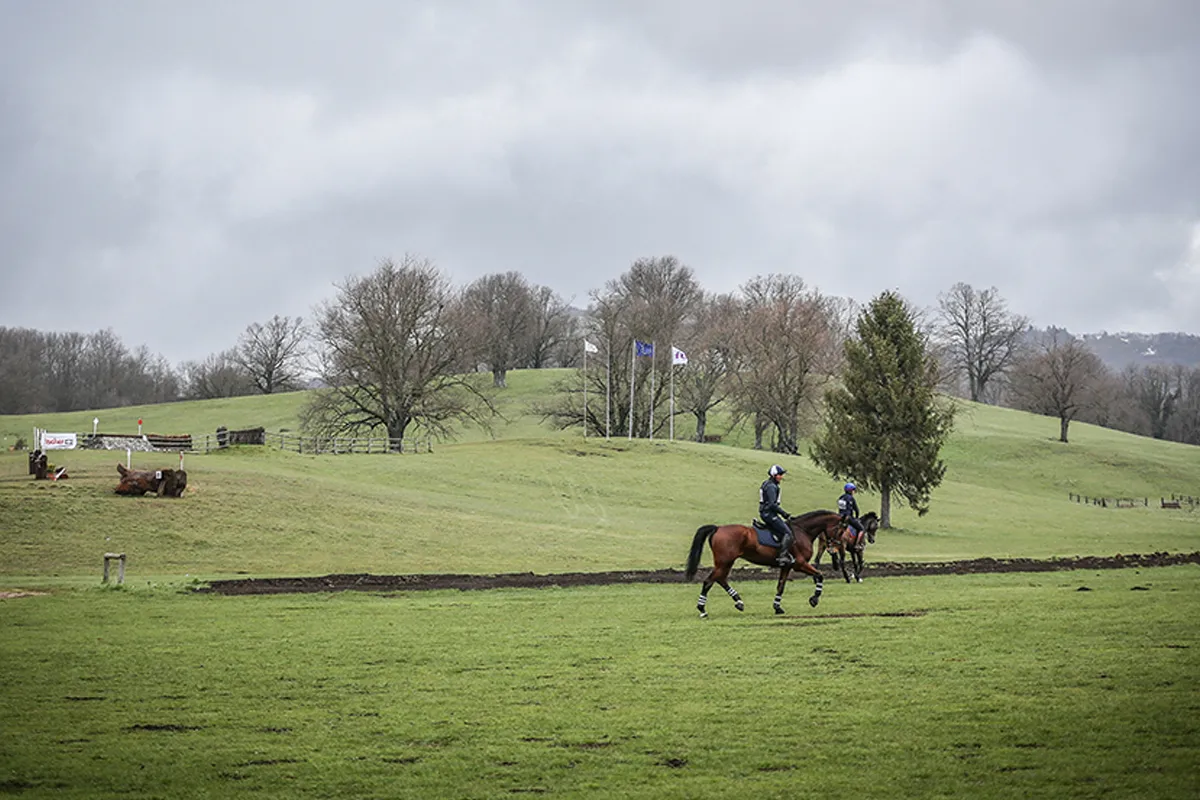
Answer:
(120, 559)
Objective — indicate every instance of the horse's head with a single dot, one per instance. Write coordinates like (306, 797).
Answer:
(870, 522)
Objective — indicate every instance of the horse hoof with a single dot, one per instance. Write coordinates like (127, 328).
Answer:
(740, 606)
(778, 609)
(858, 579)
(812, 601)
(703, 615)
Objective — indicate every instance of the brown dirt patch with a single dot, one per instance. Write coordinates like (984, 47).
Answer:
(883, 569)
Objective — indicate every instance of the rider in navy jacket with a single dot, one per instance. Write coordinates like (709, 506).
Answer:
(848, 509)
(773, 515)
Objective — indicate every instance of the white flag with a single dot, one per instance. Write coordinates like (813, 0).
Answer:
(678, 356)
(588, 347)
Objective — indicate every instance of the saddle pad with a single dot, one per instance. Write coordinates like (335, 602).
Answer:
(766, 538)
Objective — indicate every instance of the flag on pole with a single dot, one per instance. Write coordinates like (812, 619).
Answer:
(588, 347)
(678, 357)
(644, 349)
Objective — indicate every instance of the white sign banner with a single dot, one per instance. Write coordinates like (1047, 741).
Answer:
(58, 441)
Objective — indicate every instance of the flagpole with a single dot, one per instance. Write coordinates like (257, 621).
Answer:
(608, 393)
(585, 417)
(650, 432)
(672, 393)
(632, 368)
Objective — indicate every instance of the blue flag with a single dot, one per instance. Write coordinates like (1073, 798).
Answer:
(644, 349)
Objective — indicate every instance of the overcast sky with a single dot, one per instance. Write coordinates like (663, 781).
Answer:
(179, 170)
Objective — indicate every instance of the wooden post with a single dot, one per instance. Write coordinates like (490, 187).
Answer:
(120, 559)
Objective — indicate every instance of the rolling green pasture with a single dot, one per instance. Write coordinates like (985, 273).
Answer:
(526, 498)
(1073, 684)
(1051, 685)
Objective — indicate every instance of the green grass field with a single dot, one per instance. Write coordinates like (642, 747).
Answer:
(998, 686)
(1077, 684)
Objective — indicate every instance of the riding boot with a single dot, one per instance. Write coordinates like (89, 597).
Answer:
(785, 550)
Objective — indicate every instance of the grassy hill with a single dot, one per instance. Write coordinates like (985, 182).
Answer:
(524, 497)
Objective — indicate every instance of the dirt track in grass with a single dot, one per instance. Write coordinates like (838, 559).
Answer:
(882, 569)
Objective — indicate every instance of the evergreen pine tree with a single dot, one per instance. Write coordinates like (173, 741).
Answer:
(884, 427)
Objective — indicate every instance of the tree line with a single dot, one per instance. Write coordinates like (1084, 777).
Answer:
(402, 345)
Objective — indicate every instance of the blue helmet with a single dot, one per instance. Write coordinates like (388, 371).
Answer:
(850, 487)
(776, 470)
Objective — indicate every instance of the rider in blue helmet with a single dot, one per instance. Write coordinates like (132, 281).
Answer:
(848, 510)
(773, 515)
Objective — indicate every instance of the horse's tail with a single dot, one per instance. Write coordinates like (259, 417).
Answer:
(702, 534)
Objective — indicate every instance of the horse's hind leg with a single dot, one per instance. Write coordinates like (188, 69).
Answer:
(702, 603)
(718, 575)
(722, 578)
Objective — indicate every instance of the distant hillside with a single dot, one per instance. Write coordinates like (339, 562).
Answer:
(1120, 350)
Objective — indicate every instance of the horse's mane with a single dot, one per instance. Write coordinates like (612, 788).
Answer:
(811, 523)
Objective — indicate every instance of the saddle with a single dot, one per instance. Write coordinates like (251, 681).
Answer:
(766, 536)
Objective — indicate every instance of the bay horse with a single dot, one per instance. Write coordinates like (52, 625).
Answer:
(844, 540)
(731, 542)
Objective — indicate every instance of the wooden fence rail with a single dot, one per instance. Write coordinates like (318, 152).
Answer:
(320, 445)
(1174, 501)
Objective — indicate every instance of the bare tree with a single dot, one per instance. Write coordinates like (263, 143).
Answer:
(1185, 424)
(1111, 406)
(981, 337)
(64, 354)
(394, 354)
(1155, 390)
(788, 348)
(498, 314)
(150, 379)
(273, 354)
(1058, 379)
(649, 303)
(22, 385)
(555, 331)
(219, 375)
(705, 381)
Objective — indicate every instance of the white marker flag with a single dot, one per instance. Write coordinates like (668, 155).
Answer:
(588, 347)
(678, 356)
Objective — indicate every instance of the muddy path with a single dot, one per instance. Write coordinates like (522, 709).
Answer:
(882, 569)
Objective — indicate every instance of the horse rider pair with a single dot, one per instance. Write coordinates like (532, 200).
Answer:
(774, 517)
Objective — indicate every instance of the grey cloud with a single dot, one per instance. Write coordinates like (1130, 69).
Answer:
(248, 156)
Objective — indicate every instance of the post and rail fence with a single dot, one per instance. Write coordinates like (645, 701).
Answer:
(317, 445)
(223, 438)
(1174, 501)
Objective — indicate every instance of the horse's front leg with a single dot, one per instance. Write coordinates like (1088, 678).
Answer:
(841, 557)
(783, 577)
(818, 581)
